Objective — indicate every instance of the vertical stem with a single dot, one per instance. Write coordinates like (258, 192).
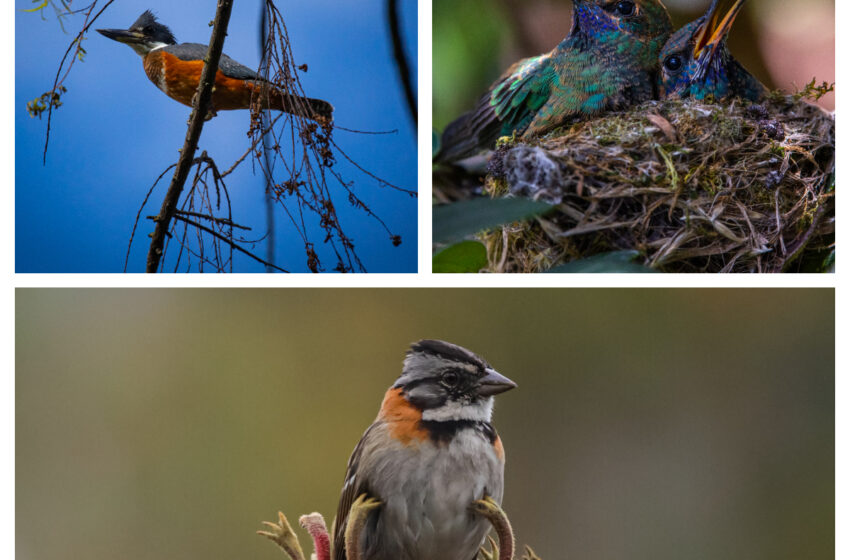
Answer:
(265, 118)
(401, 60)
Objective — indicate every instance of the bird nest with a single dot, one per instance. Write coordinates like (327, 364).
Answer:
(691, 186)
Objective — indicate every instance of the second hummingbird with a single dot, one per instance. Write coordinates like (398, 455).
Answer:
(696, 63)
(608, 61)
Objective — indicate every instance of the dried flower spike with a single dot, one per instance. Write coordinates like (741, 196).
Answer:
(283, 535)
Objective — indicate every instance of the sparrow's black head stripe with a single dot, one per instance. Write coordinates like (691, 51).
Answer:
(448, 351)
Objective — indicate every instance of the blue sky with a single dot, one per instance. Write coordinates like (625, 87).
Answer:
(116, 132)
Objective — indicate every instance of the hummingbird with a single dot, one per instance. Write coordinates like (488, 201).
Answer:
(696, 63)
(608, 61)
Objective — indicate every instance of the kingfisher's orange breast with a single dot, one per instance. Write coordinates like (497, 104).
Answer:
(179, 80)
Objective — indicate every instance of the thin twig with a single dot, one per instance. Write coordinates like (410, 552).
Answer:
(223, 221)
(78, 40)
(224, 238)
(233, 167)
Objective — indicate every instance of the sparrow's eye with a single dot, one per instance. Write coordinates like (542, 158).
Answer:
(625, 8)
(450, 379)
(673, 63)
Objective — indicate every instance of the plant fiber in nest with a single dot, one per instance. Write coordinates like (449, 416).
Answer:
(693, 187)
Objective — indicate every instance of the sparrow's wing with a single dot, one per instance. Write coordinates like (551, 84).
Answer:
(354, 486)
(510, 105)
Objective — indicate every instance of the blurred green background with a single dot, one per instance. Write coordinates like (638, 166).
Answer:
(651, 424)
(785, 43)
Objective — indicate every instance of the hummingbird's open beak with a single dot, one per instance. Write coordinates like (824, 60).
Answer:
(721, 15)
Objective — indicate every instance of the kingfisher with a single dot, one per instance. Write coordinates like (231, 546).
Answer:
(696, 63)
(608, 61)
(176, 70)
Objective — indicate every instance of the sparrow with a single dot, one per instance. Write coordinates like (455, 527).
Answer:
(608, 61)
(431, 452)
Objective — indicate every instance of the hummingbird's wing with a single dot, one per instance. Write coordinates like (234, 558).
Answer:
(582, 86)
(521, 91)
(508, 107)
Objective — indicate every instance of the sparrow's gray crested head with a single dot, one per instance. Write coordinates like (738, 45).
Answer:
(448, 382)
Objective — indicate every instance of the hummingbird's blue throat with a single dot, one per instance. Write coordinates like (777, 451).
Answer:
(586, 20)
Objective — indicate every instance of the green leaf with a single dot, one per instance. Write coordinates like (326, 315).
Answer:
(37, 8)
(829, 265)
(816, 262)
(614, 262)
(466, 256)
(453, 222)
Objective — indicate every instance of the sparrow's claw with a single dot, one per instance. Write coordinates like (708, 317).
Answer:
(357, 516)
(488, 508)
(492, 554)
(529, 554)
(314, 523)
(282, 535)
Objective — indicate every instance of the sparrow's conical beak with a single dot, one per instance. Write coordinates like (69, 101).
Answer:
(494, 383)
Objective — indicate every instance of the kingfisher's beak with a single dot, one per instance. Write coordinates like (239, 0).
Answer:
(721, 15)
(136, 40)
(123, 36)
(494, 383)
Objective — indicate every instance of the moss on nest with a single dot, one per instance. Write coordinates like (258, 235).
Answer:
(693, 187)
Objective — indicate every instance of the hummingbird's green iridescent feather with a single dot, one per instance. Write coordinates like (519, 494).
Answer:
(608, 61)
(523, 91)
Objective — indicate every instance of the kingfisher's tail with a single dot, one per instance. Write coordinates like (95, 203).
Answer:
(277, 100)
(297, 105)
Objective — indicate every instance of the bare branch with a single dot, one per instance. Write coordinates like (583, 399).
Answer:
(203, 99)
